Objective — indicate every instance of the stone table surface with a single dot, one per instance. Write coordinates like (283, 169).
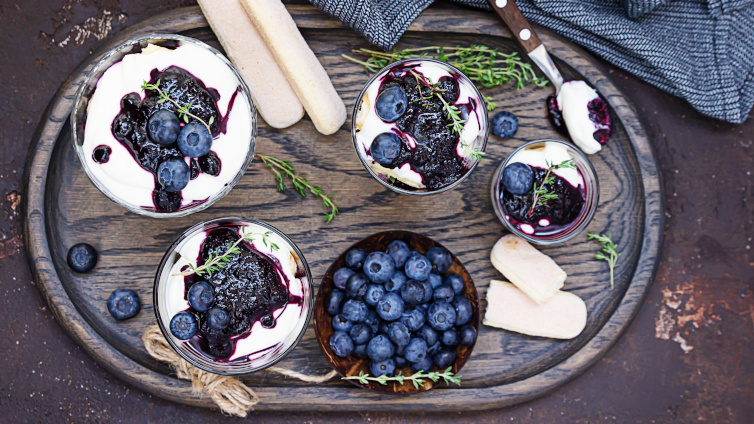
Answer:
(687, 357)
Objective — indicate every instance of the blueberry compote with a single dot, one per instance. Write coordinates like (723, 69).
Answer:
(434, 155)
(130, 126)
(554, 216)
(250, 288)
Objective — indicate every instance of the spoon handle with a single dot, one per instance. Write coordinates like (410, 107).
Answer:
(519, 26)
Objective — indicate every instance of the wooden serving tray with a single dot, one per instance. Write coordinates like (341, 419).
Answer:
(62, 208)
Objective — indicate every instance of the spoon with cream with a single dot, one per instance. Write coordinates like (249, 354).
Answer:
(576, 109)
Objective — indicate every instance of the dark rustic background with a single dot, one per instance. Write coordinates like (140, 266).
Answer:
(687, 357)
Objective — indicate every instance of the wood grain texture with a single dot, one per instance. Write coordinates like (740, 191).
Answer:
(351, 366)
(62, 208)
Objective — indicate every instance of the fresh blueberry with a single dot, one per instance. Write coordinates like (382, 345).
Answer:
(518, 178)
(449, 337)
(418, 267)
(333, 301)
(440, 258)
(374, 294)
(391, 104)
(360, 351)
(82, 257)
(416, 350)
(173, 174)
(398, 333)
(341, 276)
(413, 319)
(386, 367)
(423, 365)
(456, 282)
(201, 296)
(356, 286)
(423, 307)
(123, 304)
(183, 325)
(400, 350)
(504, 124)
(398, 250)
(194, 140)
(390, 307)
(434, 280)
(400, 361)
(385, 148)
(360, 333)
(467, 335)
(217, 318)
(380, 348)
(428, 291)
(444, 292)
(434, 348)
(373, 320)
(341, 323)
(379, 267)
(463, 310)
(428, 334)
(444, 357)
(396, 282)
(441, 315)
(164, 127)
(355, 310)
(340, 344)
(384, 328)
(355, 259)
(412, 292)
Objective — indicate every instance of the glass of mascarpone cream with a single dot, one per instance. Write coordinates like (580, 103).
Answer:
(107, 115)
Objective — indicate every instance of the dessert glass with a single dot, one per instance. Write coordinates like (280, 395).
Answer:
(201, 360)
(478, 143)
(591, 200)
(86, 90)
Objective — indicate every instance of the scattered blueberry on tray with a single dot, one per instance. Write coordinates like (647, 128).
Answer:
(123, 304)
(399, 308)
(82, 257)
(504, 124)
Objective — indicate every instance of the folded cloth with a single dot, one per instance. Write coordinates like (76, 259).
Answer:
(700, 50)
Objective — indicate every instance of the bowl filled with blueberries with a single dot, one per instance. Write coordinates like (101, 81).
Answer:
(393, 305)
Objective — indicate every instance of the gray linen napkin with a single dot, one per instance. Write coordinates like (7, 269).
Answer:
(700, 50)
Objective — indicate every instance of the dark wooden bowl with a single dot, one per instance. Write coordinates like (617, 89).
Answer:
(351, 366)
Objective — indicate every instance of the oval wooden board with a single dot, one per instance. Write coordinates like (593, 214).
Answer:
(63, 208)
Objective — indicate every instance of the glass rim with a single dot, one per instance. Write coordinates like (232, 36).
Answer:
(586, 219)
(75, 135)
(218, 221)
(369, 168)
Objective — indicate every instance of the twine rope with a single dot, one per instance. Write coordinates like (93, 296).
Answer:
(231, 395)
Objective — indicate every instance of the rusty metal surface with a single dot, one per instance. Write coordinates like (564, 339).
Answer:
(688, 356)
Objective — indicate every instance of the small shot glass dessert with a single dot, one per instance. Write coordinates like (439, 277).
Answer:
(233, 313)
(546, 191)
(164, 125)
(419, 126)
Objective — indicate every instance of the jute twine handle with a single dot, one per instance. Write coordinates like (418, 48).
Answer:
(231, 395)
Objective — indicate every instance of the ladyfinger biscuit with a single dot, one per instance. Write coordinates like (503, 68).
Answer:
(299, 64)
(272, 93)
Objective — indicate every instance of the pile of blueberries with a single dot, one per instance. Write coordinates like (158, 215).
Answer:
(399, 308)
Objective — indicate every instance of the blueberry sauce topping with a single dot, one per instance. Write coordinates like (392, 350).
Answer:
(434, 156)
(250, 288)
(130, 126)
(598, 114)
(101, 153)
(555, 216)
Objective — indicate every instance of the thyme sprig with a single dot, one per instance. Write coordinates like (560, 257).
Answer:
(184, 111)
(542, 195)
(284, 168)
(215, 263)
(485, 66)
(418, 378)
(608, 252)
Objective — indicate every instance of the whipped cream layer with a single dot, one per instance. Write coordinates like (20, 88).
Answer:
(259, 342)
(369, 125)
(126, 180)
(573, 101)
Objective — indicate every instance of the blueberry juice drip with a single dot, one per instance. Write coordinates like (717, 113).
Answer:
(130, 126)
(434, 157)
(552, 218)
(251, 288)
